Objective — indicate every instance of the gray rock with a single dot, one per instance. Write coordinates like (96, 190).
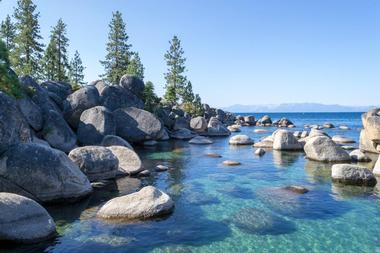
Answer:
(115, 97)
(216, 128)
(13, 126)
(166, 117)
(79, 101)
(180, 123)
(60, 89)
(136, 125)
(45, 174)
(371, 124)
(147, 203)
(342, 139)
(31, 112)
(144, 173)
(23, 220)
(99, 85)
(352, 175)
(264, 121)
(198, 124)
(250, 120)
(201, 140)
(113, 140)
(150, 143)
(285, 140)
(240, 140)
(133, 84)
(96, 162)
(95, 123)
(231, 163)
(182, 134)
(259, 152)
(57, 132)
(328, 125)
(129, 161)
(366, 144)
(359, 156)
(322, 148)
(376, 169)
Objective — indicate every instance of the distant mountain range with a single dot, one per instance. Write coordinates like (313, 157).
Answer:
(297, 107)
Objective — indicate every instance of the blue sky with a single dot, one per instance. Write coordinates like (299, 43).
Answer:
(246, 52)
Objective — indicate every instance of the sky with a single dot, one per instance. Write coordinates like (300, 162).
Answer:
(238, 52)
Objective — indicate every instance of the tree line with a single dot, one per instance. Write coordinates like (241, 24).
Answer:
(21, 49)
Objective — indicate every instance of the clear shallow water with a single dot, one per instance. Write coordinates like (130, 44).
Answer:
(232, 209)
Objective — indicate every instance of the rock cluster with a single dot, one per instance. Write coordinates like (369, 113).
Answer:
(370, 135)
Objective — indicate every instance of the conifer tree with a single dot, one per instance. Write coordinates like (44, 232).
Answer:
(187, 93)
(8, 33)
(27, 52)
(175, 77)
(55, 61)
(135, 67)
(8, 80)
(150, 98)
(117, 58)
(76, 71)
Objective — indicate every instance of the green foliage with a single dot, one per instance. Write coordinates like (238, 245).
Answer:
(151, 100)
(117, 58)
(135, 66)
(8, 80)
(175, 77)
(8, 33)
(187, 93)
(76, 71)
(194, 107)
(55, 61)
(27, 52)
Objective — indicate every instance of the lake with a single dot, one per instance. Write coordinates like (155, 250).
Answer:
(231, 209)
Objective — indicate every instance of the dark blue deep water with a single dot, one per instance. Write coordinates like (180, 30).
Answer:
(232, 209)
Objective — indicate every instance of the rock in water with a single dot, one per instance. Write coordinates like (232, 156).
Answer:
(231, 163)
(58, 133)
(42, 173)
(95, 123)
(342, 139)
(23, 220)
(296, 189)
(366, 144)
(359, 156)
(198, 124)
(216, 128)
(136, 125)
(113, 140)
(13, 127)
(147, 203)
(285, 140)
(129, 161)
(96, 162)
(255, 221)
(201, 140)
(352, 175)
(79, 101)
(133, 84)
(182, 134)
(259, 152)
(240, 140)
(322, 148)
(376, 169)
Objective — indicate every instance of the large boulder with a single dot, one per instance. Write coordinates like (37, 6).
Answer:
(198, 124)
(147, 203)
(31, 112)
(180, 123)
(366, 144)
(285, 140)
(99, 85)
(133, 84)
(352, 175)
(42, 173)
(95, 123)
(216, 128)
(57, 91)
(371, 124)
(79, 101)
(342, 139)
(376, 169)
(264, 121)
(113, 140)
(13, 126)
(322, 148)
(182, 134)
(167, 118)
(240, 139)
(129, 161)
(137, 125)
(96, 162)
(57, 132)
(250, 120)
(115, 97)
(23, 220)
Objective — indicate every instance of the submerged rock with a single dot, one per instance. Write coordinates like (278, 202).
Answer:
(352, 175)
(96, 162)
(231, 163)
(296, 189)
(240, 140)
(129, 161)
(256, 221)
(201, 198)
(23, 220)
(322, 148)
(201, 140)
(51, 175)
(214, 155)
(147, 203)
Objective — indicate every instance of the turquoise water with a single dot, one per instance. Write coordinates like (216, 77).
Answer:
(232, 209)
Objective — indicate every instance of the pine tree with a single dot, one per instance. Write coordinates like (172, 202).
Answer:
(76, 71)
(135, 66)
(27, 53)
(187, 93)
(117, 58)
(150, 98)
(8, 80)
(198, 106)
(55, 61)
(8, 33)
(175, 78)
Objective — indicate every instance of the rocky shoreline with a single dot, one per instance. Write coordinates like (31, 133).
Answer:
(55, 144)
